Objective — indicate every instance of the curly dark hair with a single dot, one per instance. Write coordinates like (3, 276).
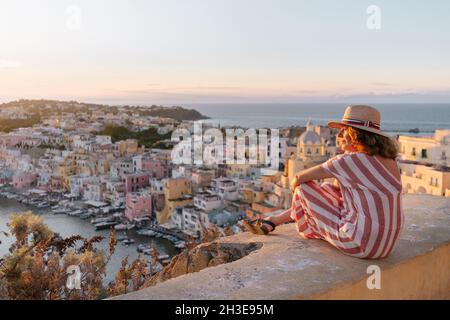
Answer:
(373, 144)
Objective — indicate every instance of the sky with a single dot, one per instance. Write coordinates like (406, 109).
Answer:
(225, 51)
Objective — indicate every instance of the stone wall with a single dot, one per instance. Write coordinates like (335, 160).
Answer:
(283, 266)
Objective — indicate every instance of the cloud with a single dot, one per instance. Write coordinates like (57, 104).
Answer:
(8, 64)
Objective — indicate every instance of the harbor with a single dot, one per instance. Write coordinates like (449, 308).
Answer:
(68, 218)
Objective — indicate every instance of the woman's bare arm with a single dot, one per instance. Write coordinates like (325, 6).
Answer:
(314, 173)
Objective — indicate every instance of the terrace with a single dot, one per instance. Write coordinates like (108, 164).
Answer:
(283, 266)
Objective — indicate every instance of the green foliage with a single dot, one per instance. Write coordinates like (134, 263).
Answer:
(145, 138)
(51, 146)
(45, 108)
(8, 125)
(177, 113)
(36, 266)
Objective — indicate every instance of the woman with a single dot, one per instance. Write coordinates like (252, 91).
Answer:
(360, 214)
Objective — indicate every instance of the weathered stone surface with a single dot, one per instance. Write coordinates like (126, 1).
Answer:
(287, 267)
(201, 257)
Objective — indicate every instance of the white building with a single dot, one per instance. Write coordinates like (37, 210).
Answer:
(103, 140)
(432, 150)
(424, 163)
(207, 202)
(429, 179)
(225, 188)
(93, 191)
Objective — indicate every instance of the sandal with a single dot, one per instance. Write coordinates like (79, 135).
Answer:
(256, 226)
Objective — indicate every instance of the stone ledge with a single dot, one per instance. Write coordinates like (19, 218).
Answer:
(287, 267)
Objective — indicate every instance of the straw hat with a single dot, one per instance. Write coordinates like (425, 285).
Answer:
(366, 118)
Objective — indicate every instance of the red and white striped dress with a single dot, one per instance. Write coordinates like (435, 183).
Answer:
(363, 218)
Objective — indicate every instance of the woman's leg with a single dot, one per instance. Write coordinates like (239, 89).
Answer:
(280, 218)
(306, 225)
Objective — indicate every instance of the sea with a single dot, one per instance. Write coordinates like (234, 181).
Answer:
(396, 118)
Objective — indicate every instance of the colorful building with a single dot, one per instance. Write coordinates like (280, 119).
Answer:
(138, 205)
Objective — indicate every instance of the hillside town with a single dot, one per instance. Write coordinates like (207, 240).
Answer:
(114, 166)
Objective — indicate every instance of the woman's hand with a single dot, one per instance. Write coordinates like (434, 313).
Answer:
(314, 173)
(336, 184)
(295, 183)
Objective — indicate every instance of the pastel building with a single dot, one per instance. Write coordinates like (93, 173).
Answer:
(432, 150)
(93, 191)
(425, 179)
(78, 183)
(57, 184)
(424, 163)
(311, 146)
(129, 146)
(136, 181)
(177, 192)
(270, 194)
(225, 188)
(114, 191)
(189, 219)
(11, 140)
(238, 170)
(157, 168)
(138, 205)
(207, 202)
(21, 180)
(103, 140)
(201, 178)
(120, 167)
(182, 171)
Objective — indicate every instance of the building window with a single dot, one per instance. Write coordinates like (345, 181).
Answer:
(424, 153)
(413, 153)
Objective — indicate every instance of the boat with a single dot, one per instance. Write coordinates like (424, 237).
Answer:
(180, 245)
(121, 227)
(75, 213)
(163, 256)
(102, 219)
(146, 232)
(142, 247)
(148, 252)
(42, 205)
(104, 225)
(128, 241)
(121, 237)
(85, 216)
(59, 211)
